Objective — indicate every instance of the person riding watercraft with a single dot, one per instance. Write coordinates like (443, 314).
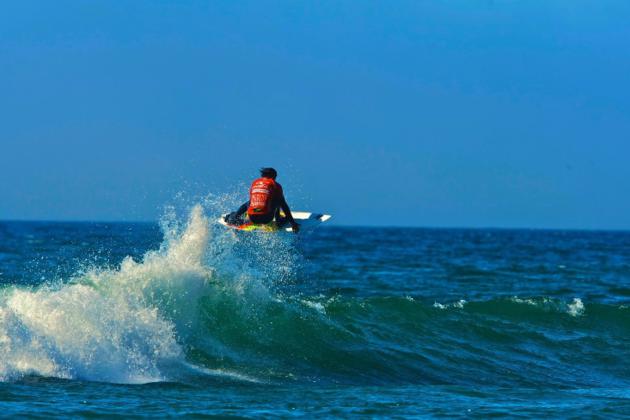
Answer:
(266, 201)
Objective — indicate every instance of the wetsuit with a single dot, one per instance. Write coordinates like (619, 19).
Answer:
(264, 212)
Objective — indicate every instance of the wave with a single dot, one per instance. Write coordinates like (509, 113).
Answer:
(206, 306)
(109, 325)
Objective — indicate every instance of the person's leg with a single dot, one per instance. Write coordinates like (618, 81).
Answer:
(236, 217)
(261, 219)
(280, 220)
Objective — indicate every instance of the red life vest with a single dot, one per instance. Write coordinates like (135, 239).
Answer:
(261, 196)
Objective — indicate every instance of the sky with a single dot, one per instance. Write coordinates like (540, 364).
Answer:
(450, 113)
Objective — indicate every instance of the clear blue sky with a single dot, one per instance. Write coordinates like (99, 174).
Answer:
(432, 113)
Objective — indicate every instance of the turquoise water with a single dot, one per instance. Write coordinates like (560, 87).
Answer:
(189, 318)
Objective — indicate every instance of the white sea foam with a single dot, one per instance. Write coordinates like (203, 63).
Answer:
(111, 325)
(531, 302)
(575, 308)
(315, 305)
(459, 305)
(222, 373)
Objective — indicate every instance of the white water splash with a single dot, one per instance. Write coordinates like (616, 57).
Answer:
(530, 302)
(459, 305)
(575, 308)
(107, 326)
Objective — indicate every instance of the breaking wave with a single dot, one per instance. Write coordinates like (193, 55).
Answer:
(209, 305)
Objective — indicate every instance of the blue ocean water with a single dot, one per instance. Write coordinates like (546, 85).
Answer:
(188, 318)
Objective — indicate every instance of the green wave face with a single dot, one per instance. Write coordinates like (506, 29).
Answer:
(504, 342)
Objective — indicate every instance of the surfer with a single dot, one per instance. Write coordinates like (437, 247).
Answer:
(266, 200)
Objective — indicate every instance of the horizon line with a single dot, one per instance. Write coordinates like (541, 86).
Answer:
(363, 226)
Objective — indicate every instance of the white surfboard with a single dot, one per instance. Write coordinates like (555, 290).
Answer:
(306, 220)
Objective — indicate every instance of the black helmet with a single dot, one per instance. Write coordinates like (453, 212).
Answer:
(268, 172)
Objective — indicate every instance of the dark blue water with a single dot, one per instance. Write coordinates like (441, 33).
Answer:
(189, 318)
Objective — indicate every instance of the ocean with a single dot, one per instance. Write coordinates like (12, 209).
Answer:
(185, 317)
